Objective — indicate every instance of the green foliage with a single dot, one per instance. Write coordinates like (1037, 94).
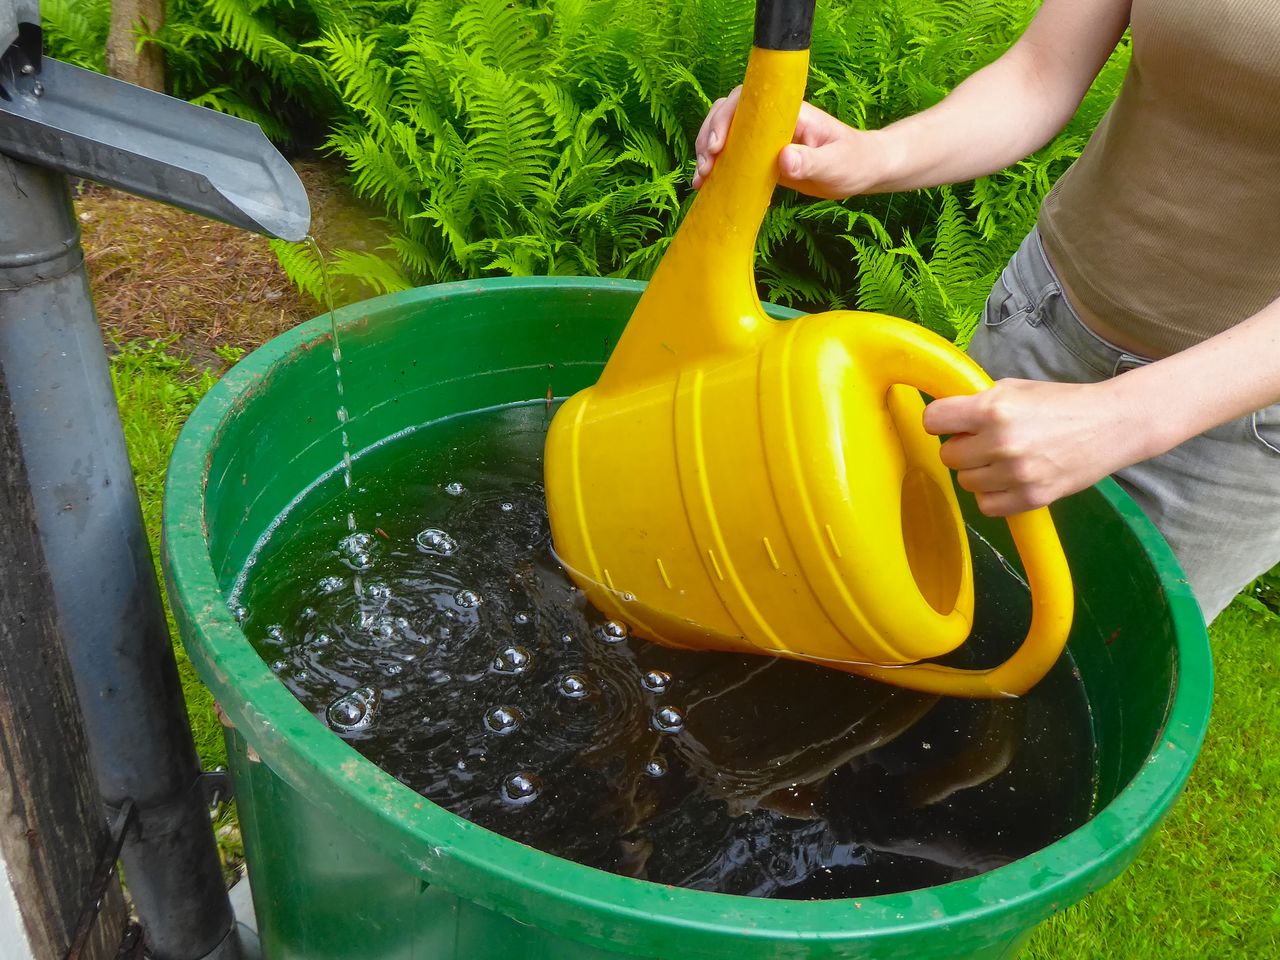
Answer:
(1205, 887)
(156, 389)
(1263, 596)
(519, 138)
(351, 275)
(248, 58)
(554, 136)
(76, 31)
(242, 57)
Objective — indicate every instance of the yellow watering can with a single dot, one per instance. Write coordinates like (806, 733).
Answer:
(739, 483)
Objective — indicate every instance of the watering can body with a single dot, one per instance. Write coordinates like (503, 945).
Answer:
(788, 495)
(739, 483)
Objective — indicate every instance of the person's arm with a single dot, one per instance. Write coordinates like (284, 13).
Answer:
(1025, 443)
(999, 115)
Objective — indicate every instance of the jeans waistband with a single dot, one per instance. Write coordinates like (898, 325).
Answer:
(1050, 308)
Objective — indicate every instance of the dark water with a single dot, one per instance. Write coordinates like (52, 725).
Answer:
(444, 642)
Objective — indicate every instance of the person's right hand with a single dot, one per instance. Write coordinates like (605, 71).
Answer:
(826, 158)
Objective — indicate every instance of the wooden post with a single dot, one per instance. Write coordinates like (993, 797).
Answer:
(52, 831)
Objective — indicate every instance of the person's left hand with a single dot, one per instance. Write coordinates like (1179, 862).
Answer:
(1024, 443)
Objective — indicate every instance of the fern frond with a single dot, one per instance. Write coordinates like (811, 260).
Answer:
(302, 266)
(76, 31)
(375, 273)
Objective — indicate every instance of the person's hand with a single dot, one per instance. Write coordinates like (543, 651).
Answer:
(1025, 443)
(826, 159)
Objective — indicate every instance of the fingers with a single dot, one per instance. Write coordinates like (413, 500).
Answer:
(1002, 504)
(1004, 478)
(955, 415)
(997, 495)
(818, 163)
(713, 134)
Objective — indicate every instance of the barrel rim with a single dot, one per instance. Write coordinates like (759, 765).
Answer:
(590, 904)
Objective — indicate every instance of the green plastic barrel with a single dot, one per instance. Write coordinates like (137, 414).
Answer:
(346, 862)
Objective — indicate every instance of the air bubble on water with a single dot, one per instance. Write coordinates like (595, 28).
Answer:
(321, 640)
(521, 788)
(357, 548)
(439, 676)
(613, 631)
(566, 638)
(393, 669)
(668, 720)
(330, 584)
(454, 489)
(655, 681)
(308, 613)
(503, 720)
(379, 591)
(353, 711)
(573, 686)
(239, 613)
(277, 666)
(521, 618)
(275, 632)
(356, 541)
(506, 506)
(656, 767)
(436, 542)
(466, 598)
(512, 660)
(342, 414)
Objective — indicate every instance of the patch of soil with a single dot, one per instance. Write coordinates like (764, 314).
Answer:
(161, 273)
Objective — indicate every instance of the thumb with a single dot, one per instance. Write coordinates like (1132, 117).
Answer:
(820, 167)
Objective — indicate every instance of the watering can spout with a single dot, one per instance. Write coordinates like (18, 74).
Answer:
(87, 125)
(701, 302)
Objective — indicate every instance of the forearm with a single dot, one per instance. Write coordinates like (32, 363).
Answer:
(1224, 377)
(1025, 443)
(995, 118)
(1007, 110)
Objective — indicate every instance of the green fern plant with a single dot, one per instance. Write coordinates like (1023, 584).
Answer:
(512, 136)
(76, 31)
(554, 136)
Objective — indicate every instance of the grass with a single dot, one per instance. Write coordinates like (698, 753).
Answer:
(156, 390)
(1206, 887)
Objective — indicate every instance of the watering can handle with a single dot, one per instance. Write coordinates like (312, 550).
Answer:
(913, 356)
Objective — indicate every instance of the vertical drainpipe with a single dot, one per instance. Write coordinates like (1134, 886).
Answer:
(104, 582)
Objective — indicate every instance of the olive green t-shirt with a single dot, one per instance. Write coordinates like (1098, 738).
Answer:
(1166, 231)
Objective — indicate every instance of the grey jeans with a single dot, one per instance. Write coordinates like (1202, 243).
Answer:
(1216, 497)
